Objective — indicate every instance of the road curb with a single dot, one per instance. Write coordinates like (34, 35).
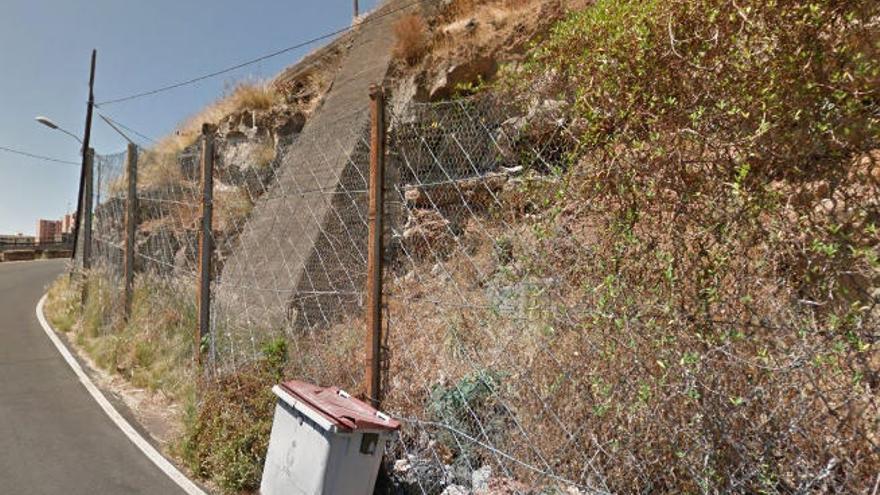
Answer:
(139, 441)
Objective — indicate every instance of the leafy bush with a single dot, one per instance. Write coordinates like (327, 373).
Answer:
(227, 431)
(468, 407)
(698, 275)
(791, 85)
(725, 184)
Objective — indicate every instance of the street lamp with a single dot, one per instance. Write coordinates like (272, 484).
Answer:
(85, 176)
(52, 125)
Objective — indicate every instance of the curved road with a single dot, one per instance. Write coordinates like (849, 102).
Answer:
(54, 438)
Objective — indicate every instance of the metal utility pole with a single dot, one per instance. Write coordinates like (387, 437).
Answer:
(87, 134)
(356, 9)
(375, 247)
(86, 208)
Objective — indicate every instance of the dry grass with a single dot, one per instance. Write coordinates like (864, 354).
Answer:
(183, 137)
(465, 8)
(264, 154)
(461, 8)
(411, 39)
(161, 168)
(259, 95)
(152, 350)
(256, 96)
(501, 29)
(232, 208)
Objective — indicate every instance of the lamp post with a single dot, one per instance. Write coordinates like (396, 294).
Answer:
(87, 134)
(85, 151)
(84, 206)
(52, 125)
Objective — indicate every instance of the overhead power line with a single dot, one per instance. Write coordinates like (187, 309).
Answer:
(373, 18)
(37, 156)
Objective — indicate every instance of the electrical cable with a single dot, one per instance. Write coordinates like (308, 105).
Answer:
(38, 157)
(372, 18)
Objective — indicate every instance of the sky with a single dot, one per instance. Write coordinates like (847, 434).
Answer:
(45, 46)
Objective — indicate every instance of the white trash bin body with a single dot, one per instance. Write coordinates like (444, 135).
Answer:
(323, 441)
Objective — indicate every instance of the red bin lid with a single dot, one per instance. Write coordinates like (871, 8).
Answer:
(341, 409)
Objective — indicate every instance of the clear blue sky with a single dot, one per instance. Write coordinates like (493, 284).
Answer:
(44, 53)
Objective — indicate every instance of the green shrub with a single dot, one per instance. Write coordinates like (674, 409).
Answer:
(718, 233)
(792, 84)
(469, 407)
(227, 430)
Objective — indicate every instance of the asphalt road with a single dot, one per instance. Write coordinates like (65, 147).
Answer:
(54, 438)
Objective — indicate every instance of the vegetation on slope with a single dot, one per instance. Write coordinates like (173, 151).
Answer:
(225, 427)
(712, 242)
(152, 350)
(703, 266)
(227, 432)
(259, 95)
(719, 217)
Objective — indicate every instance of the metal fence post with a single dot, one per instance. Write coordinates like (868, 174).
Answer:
(206, 245)
(375, 247)
(131, 208)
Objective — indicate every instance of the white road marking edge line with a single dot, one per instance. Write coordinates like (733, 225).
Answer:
(148, 450)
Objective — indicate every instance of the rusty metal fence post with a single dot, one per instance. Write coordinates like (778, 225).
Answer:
(131, 208)
(375, 247)
(206, 245)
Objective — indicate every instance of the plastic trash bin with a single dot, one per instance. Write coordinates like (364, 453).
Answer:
(323, 442)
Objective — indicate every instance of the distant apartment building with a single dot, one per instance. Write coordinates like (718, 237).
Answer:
(49, 231)
(68, 223)
(16, 239)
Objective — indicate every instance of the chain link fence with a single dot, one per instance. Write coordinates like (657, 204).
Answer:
(469, 332)
(108, 224)
(295, 265)
(568, 320)
(554, 320)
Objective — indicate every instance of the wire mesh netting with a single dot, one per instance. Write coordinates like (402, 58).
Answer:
(296, 264)
(554, 320)
(561, 324)
(166, 212)
(462, 328)
(108, 224)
